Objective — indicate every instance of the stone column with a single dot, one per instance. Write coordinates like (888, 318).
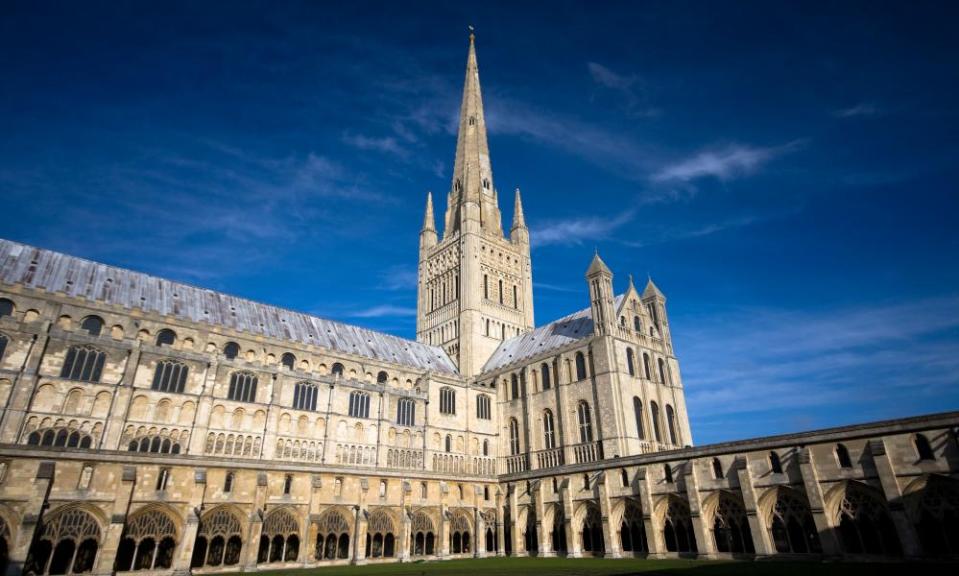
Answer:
(545, 538)
(30, 518)
(704, 539)
(893, 493)
(251, 544)
(184, 553)
(106, 555)
(359, 524)
(122, 398)
(518, 544)
(574, 544)
(760, 534)
(443, 546)
(479, 544)
(204, 407)
(405, 524)
(654, 533)
(24, 386)
(613, 547)
(827, 534)
(500, 532)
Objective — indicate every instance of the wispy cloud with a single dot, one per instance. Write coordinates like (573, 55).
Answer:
(398, 278)
(386, 144)
(726, 163)
(860, 109)
(383, 310)
(790, 361)
(573, 231)
(630, 87)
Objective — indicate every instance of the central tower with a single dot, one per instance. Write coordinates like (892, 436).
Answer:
(475, 286)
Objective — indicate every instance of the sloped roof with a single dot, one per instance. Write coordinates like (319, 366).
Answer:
(556, 334)
(55, 272)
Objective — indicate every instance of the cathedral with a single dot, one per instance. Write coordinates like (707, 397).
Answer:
(150, 425)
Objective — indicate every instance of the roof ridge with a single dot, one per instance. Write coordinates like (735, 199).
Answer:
(147, 277)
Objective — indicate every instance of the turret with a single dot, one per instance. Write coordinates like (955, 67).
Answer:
(428, 233)
(655, 302)
(600, 280)
(519, 234)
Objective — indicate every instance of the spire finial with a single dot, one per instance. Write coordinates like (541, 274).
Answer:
(472, 35)
(428, 220)
(519, 220)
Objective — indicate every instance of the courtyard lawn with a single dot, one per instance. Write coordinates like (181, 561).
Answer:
(604, 567)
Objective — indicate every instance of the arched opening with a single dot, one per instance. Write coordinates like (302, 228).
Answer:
(935, 511)
(280, 538)
(865, 526)
(67, 542)
(422, 535)
(219, 539)
(591, 531)
(380, 538)
(632, 534)
(149, 539)
(791, 526)
(678, 528)
(332, 536)
(730, 526)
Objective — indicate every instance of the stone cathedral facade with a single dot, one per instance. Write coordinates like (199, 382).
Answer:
(148, 425)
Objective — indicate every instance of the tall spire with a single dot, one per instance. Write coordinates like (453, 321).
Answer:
(472, 195)
(518, 220)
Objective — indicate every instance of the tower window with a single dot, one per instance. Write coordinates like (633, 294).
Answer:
(288, 484)
(228, 483)
(447, 400)
(242, 387)
(162, 478)
(288, 360)
(92, 325)
(580, 366)
(166, 337)
(359, 405)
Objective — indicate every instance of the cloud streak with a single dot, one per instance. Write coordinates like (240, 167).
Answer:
(575, 231)
(726, 163)
(382, 311)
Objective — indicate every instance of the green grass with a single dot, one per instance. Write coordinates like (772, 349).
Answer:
(604, 567)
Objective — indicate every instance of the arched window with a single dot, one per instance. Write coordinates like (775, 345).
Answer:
(162, 478)
(500, 291)
(155, 444)
(580, 366)
(549, 438)
(544, 370)
(166, 337)
(637, 325)
(66, 542)
(359, 405)
(486, 287)
(170, 376)
(406, 412)
(513, 436)
(622, 321)
(60, 437)
(83, 363)
(629, 362)
(483, 407)
(449, 443)
(638, 412)
(337, 370)
(842, 456)
(671, 425)
(447, 400)
(718, 469)
(646, 366)
(242, 387)
(668, 473)
(3, 344)
(304, 396)
(485, 447)
(585, 422)
(231, 350)
(148, 542)
(219, 539)
(924, 448)
(775, 464)
(663, 376)
(228, 483)
(288, 360)
(654, 414)
(92, 325)
(6, 307)
(514, 387)
(793, 529)
(288, 484)
(382, 377)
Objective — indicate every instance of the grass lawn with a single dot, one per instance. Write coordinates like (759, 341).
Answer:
(602, 567)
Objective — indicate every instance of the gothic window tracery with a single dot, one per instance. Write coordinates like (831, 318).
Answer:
(332, 536)
(67, 543)
(380, 536)
(792, 528)
(864, 523)
(148, 542)
(447, 400)
(422, 539)
(406, 412)
(304, 396)
(460, 534)
(730, 526)
(279, 539)
(678, 527)
(218, 540)
(483, 411)
(83, 363)
(242, 387)
(170, 376)
(631, 533)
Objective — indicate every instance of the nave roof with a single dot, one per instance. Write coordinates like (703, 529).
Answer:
(55, 272)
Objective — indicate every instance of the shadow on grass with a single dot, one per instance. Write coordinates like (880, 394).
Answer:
(624, 567)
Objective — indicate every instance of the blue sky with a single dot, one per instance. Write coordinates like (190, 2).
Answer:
(786, 172)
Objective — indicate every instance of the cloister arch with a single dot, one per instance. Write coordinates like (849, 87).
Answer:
(333, 534)
(932, 503)
(787, 517)
(380, 535)
(219, 539)
(68, 541)
(149, 540)
(279, 538)
(678, 535)
(862, 520)
(422, 535)
(728, 523)
(627, 516)
(588, 523)
(461, 530)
